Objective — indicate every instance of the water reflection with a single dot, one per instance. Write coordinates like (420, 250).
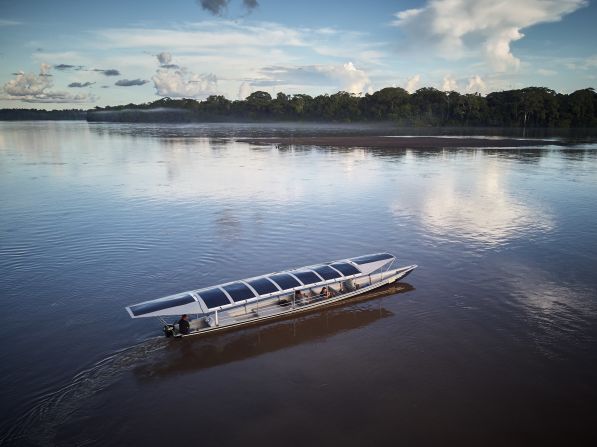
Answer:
(556, 311)
(477, 205)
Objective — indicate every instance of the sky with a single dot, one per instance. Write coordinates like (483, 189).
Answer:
(81, 54)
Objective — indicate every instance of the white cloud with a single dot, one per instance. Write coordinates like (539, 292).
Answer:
(485, 25)
(412, 83)
(244, 90)
(344, 77)
(60, 97)
(449, 84)
(587, 63)
(31, 87)
(27, 84)
(351, 79)
(476, 85)
(213, 36)
(546, 72)
(237, 51)
(178, 82)
(243, 41)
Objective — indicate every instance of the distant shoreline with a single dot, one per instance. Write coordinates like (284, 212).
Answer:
(530, 107)
(425, 142)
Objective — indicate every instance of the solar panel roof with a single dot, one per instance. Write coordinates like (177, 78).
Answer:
(285, 281)
(345, 268)
(214, 297)
(263, 286)
(306, 277)
(238, 291)
(154, 306)
(326, 272)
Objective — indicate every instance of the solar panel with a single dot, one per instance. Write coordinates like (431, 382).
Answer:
(238, 291)
(326, 272)
(154, 306)
(285, 281)
(371, 258)
(306, 277)
(214, 297)
(345, 268)
(263, 286)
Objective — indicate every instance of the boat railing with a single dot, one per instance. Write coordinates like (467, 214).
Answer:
(223, 318)
(288, 303)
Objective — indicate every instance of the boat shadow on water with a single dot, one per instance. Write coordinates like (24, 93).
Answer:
(193, 354)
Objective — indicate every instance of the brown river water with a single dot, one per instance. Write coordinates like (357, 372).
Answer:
(491, 341)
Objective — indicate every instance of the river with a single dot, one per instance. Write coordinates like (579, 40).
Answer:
(491, 341)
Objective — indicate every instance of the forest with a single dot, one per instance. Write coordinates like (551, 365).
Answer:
(538, 107)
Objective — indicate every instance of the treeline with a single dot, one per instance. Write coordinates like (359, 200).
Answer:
(528, 107)
(36, 114)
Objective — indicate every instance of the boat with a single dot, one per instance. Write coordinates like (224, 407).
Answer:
(274, 295)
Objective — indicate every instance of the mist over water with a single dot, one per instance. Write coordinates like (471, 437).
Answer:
(491, 341)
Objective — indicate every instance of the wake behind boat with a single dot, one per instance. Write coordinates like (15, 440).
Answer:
(274, 295)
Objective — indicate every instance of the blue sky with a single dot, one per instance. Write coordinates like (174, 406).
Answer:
(69, 53)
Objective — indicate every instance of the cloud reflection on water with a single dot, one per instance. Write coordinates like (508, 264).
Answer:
(477, 204)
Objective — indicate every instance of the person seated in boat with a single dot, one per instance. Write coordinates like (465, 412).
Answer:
(325, 293)
(184, 327)
(298, 296)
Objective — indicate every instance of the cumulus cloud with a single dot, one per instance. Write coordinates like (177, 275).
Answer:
(35, 88)
(130, 82)
(449, 84)
(184, 84)
(80, 84)
(27, 84)
(476, 85)
(219, 7)
(244, 90)
(457, 26)
(413, 83)
(344, 77)
(178, 82)
(44, 69)
(351, 78)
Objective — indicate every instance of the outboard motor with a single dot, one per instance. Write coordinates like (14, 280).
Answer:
(169, 330)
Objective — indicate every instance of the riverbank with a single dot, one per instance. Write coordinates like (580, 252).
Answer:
(399, 142)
